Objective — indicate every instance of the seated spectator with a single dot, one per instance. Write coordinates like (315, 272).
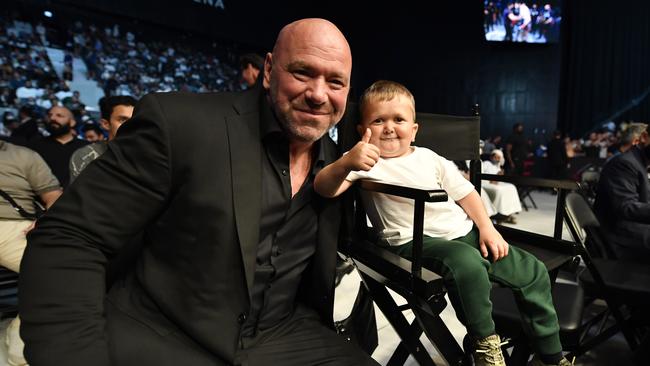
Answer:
(24, 177)
(629, 137)
(92, 132)
(503, 195)
(623, 201)
(250, 64)
(115, 111)
(27, 128)
(57, 148)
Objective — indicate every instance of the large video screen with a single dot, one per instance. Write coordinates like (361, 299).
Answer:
(522, 21)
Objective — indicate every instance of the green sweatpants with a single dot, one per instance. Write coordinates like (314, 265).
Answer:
(467, 276)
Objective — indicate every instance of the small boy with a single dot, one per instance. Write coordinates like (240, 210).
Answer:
(460, 241)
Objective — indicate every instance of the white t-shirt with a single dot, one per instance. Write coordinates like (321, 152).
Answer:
(392, 216)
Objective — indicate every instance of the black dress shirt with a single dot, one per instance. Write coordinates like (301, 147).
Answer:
(288, 228)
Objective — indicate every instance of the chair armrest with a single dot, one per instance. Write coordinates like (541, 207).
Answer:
(531, 181)
(426, 195)
(420, 196)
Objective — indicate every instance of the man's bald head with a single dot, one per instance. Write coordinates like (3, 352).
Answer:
(320, 31)
(308, 77)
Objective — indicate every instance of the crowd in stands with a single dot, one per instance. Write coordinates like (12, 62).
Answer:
(602, 143)
(119, 60)
(148, 66)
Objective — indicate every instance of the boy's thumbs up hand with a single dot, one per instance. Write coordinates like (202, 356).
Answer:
(366, 136)
(363, 155)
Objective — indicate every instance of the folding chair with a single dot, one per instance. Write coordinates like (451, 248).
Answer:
(456, 138)
(624, 286)
(8, 293)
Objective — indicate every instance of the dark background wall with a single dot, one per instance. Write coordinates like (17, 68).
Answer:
(440, 55)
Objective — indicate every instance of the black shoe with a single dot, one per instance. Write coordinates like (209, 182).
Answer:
(343, 267)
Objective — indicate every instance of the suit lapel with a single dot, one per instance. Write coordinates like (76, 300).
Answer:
(245, 160)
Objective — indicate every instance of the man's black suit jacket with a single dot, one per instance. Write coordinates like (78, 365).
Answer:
(186, 169)
(623, 200)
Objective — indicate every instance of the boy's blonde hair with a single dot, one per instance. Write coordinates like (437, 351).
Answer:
(385, 90)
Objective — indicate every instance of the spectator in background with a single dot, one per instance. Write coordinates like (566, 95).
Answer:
(557, 157)
(57, 148)
(488, 146)
(9, 124)
(27, 129)
(75, 105)
(250, 64)
(517, 150)
(115, 111)
(503, 195)
(623, 202)
(24, 178)
(92, 133)
(630, 137)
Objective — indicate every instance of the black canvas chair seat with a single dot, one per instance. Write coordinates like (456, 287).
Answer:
(568, 299)
(629, 282)
(395, 272)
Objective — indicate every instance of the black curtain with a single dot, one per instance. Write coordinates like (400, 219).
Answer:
(606, 64)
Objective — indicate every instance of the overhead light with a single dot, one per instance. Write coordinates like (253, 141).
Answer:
(48, 14)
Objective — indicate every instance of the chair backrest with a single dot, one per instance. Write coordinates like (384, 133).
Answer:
(584, 226)
(434, 132)
(590, 176)
(454, 137)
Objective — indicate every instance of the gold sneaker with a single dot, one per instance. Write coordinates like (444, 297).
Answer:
(488, 351)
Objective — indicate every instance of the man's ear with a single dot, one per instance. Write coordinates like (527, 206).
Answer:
(268, 66)
(105, 124)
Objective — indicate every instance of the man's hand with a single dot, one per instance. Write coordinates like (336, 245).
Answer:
(29, 228)
(364, 155)
(490, 240)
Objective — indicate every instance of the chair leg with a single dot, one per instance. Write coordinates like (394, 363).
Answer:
(388, 306)
(440, 337)
(401, 353)
(520, 353)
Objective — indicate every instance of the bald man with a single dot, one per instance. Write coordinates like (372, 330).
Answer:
(58, 147)
(239, 256)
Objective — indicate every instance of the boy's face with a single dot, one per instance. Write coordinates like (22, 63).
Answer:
(392, 124)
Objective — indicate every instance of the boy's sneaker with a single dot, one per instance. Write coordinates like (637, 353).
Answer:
(488, 352)
(563, 362)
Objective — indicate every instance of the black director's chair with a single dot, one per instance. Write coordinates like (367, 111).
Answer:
(8, 293)
(456, 138)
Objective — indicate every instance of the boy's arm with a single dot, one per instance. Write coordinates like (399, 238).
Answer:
(330, 182)
(490, 239)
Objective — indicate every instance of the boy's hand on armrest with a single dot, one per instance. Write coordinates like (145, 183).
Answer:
(491, 242)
